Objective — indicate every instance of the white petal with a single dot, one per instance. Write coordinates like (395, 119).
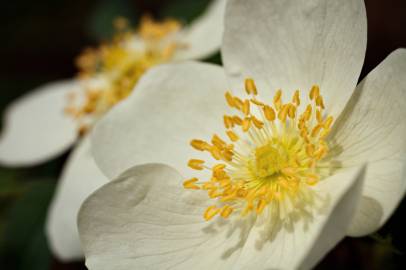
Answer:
(372, 130)
(290, 44)
(80, 178)
(307, 240)
(35, 126)
(145, 220)
(203, 37)
(171, 105)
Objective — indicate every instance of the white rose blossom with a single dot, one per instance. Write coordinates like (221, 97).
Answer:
(44, 124)
(305, 158)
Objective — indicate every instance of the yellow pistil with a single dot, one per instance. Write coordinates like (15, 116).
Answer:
(110, 72)
(274, 158)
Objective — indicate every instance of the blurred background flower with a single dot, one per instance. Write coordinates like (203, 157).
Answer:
(47, 121)
(41, 39)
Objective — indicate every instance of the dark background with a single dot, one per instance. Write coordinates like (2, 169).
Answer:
(40, 39)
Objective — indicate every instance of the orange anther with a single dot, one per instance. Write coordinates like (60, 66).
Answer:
(250, 87)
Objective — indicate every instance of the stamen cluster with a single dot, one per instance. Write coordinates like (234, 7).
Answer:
(110, 72)
(274, 157)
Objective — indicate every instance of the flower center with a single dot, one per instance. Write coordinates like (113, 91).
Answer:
(109, 73)
(269, 160)
(275, 156)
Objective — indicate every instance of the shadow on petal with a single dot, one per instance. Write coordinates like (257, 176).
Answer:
(265, 228)
(371, 212)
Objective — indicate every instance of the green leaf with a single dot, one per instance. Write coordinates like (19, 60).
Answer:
(185, 10)
(23, 245)
(10, 186)
(385, 242)
(36, 255)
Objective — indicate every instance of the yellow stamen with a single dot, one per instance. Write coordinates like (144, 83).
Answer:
(210, 212)
(199, 145)
(226, 211)
(277, 100)
(257, 102)
(246, 124)
(318, 116)
(196, 164)
(328, 122)
(152, 30)
(316, 130)
(324, 133)
(228, 121)
(296, 98)
(250, 87)
(312, 179)
(310, 150)
(228, 155)
(231, 134)
(218, 142)
(191, 183)
(215, 152)
(208, 186)
(260, 206)
(275, 163)
(246, 107)
(269, 113)
(320, 153)
(230, 99)
(237, 120)
(319, 102)
(292, 111)
(283, 113)
(314, 92)
(238, 103)
(308, 112)
(119, 66)
(219, 167)
(257, 123)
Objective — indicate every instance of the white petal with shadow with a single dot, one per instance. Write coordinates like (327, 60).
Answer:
(372, 130)
(80, 177)
(310, 235)
(145, 220)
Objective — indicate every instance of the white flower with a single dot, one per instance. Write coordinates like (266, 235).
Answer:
(37, 129)
(299, 171)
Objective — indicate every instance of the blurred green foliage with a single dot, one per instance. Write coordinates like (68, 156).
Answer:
(23, 245)
(99, 24)
(24, 202)
(185, 10)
